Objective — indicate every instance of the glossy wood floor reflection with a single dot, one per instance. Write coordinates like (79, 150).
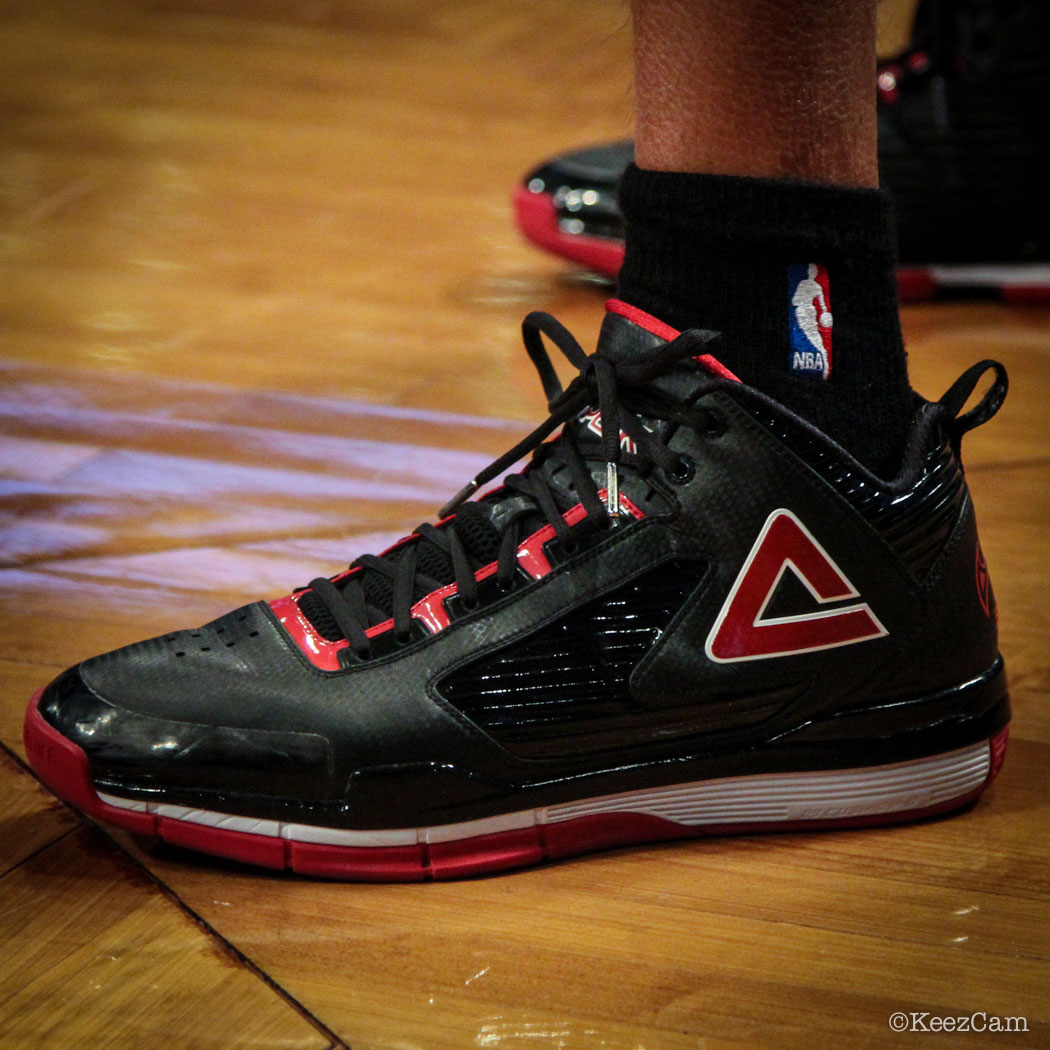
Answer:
(260, 297)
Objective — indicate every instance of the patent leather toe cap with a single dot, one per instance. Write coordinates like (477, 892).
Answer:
(136, 751)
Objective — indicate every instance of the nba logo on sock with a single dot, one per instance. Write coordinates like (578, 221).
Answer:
(809, 320)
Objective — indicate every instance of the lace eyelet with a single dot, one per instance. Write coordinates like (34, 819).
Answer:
(570, 548)
(716, 427)
(403, 639)
(685, 472)
(469, 607)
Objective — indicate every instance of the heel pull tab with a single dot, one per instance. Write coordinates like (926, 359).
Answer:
(960, 392)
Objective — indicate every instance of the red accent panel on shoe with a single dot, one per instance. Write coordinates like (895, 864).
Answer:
(319, 651)
(430, 609)
(537, 219)
(740, 632)
(530, 552)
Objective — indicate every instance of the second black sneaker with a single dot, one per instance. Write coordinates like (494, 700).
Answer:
(964, 150)
(691, 613)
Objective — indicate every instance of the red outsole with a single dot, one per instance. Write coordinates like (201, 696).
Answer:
(917, 284)
(1027, 295)
(537, 219)
(64, 768)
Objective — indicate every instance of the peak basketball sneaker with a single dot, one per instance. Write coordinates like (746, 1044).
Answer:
(690, 613)
(964, 149)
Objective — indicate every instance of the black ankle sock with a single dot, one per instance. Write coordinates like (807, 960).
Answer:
(764, 261)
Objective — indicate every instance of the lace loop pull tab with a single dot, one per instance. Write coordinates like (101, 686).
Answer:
(961, 391)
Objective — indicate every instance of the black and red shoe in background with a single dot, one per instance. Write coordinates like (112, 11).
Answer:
(964, 150)
(691, 613)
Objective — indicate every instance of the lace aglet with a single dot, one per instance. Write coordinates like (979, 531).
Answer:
(464, 493)
(612, 492)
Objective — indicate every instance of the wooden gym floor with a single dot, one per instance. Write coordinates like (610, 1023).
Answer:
(259, 298)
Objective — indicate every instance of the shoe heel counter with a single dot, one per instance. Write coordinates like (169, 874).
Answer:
(962, 635)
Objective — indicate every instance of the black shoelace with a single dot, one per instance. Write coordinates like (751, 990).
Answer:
(621, 392)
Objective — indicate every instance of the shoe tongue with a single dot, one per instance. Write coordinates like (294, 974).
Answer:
(480, 537)
(481, 541)
(627, 332)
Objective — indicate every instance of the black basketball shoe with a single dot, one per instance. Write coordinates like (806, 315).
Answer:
(691, 613)
(964, 149)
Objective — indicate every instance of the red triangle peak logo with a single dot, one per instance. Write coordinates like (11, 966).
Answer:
(743, 632)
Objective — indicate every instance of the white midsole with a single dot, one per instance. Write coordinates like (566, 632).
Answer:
(763, 798)
(1006, 274)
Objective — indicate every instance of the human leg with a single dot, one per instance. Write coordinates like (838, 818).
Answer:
(753, 167)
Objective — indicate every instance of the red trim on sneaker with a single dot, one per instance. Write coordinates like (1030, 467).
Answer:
(530, 552)
(430, 609)
(1008, 282)
(1026, 294)
(915, 285)
(322, 653)
(537, 219)
(712, 364)
(642, 319)
(65, 769)
(742, 631)
(665, 331)
(998, 743)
